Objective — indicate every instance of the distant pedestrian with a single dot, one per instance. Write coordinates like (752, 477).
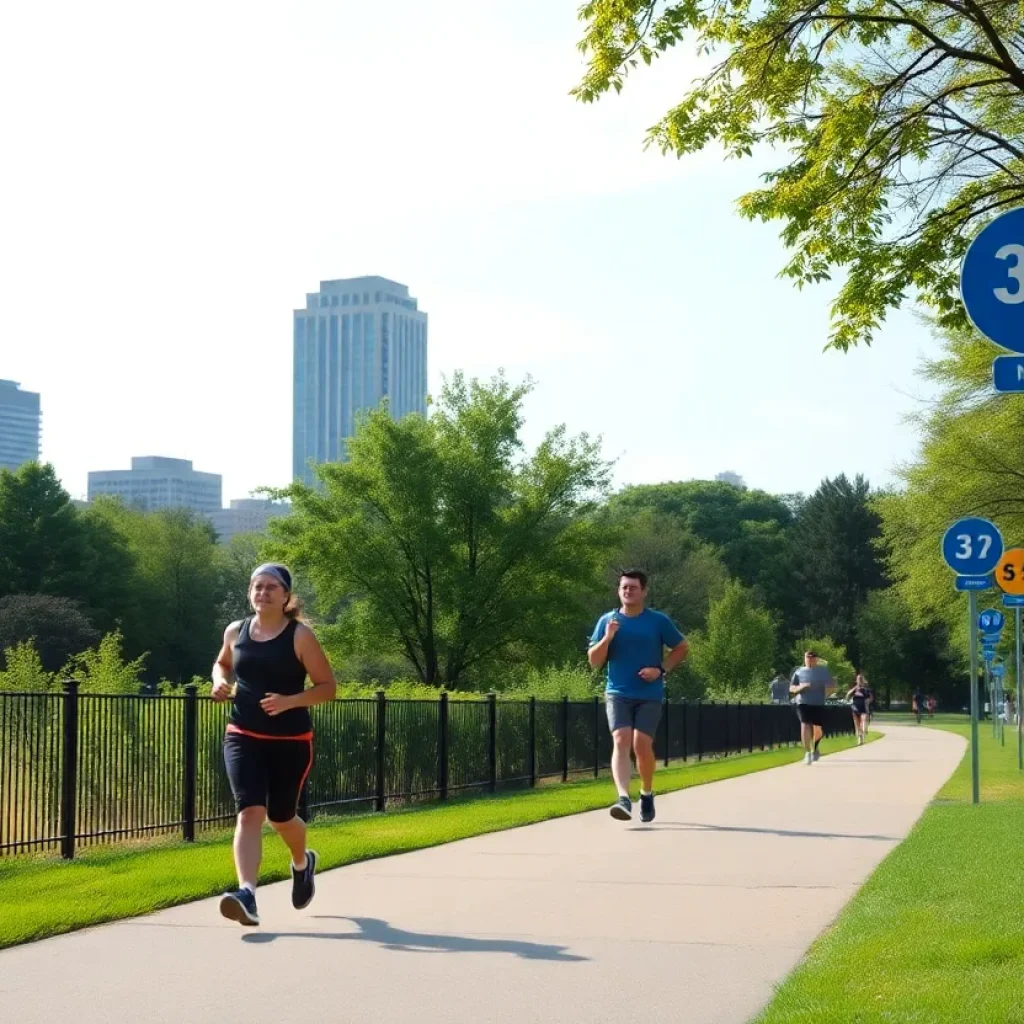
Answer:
(778, 688)
(632, 643)
(811, 685)
(918, 702)
(861, 699)
(268, 749)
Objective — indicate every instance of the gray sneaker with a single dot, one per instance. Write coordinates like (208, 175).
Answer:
(817, 755)
(622, 809)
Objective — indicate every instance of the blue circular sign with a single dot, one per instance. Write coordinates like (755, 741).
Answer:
(992, 281)
(972, 547)
(991, 621)
(999, 671)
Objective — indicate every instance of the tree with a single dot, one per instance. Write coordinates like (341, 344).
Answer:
(901, 122)
(833, 654)
(42, 548)
(454, 547)
(747, 528)
(969, 463)
(835, 557)
(55, 626)
(685, 574)
(897, 658)
(235, 563)
(175, 589)
(735, 656)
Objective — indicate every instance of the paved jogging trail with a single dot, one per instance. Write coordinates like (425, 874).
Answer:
(581, 919)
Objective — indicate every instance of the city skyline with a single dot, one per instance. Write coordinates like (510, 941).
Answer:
(546, 242)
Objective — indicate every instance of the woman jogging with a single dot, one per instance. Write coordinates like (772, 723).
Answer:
(268, 748)
(861, 697)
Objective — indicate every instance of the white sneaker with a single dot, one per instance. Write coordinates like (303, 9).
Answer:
(808, 758)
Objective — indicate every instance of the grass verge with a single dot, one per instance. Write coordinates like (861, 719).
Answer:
(936, 935)
(41, 897)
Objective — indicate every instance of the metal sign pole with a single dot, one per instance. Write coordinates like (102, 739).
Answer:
(1020, 696)
(973, 614)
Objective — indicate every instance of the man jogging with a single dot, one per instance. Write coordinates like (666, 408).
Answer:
(811, 685)
(632, 642)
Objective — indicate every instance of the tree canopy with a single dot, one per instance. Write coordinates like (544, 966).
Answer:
(899, 124)
(452, 545)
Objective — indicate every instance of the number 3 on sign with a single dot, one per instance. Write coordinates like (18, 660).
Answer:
(972, 547)
(1010, 572)
(1016, 273)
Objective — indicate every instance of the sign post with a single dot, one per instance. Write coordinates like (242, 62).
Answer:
(992, 290)
(998, 671)
(1010, 578)
(1020, 692)
(990, 625)
(973, 547)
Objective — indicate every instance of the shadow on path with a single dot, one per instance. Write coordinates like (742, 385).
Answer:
(687, 826)
(372, 929)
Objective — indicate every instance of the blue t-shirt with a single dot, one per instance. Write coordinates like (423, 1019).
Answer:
(639, 643)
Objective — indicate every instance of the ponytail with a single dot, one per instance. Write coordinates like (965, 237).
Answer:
(293, 608)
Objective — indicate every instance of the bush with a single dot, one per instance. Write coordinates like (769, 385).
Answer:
(24, 672)
(104, 670)
(55, 626)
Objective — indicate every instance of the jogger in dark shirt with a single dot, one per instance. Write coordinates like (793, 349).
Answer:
(268, 749)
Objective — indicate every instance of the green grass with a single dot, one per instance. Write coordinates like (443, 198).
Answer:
(44, 896)
(936, 935)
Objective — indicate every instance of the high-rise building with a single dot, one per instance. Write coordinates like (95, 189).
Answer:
(357, 342)
(246, 515)
(19, 425)
(155, 482)
(731, 478)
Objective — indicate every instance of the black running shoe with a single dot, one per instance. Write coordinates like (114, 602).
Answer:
(647, 807)
(303, 886)
(240, 905)
(622, 809)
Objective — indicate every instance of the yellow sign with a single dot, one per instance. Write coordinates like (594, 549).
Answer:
(1010, 572)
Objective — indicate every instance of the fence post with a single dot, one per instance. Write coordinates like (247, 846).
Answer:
(442, 747)
(668, 735)
(531, 750)
(565, 739)
(492, 741)
(685, 702)
(382, 710)
(750, 715)
(69, 770)
(188, 782)
(700, 738)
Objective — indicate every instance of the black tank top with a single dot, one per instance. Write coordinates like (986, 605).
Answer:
(262, 667)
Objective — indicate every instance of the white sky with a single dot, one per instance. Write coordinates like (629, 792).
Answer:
(178, 176)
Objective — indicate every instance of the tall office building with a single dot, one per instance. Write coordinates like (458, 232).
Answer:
(19, 425)
(357, 342)
(154, 482)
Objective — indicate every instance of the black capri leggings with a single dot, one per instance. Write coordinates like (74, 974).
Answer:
(268, 772)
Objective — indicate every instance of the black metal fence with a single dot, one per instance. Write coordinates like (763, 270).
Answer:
(80, 769)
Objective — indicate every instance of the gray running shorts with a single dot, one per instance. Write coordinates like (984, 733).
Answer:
(628, 713)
